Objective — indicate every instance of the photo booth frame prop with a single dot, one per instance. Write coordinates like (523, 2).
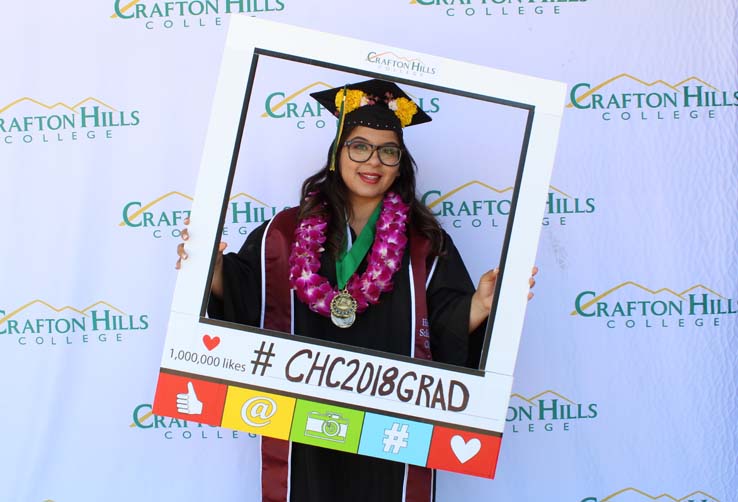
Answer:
(331, 395)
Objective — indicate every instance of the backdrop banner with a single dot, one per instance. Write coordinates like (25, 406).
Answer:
(625, 383)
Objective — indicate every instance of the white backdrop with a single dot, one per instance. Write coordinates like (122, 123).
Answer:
(625, 388)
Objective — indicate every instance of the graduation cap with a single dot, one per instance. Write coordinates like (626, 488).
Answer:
(375, 103)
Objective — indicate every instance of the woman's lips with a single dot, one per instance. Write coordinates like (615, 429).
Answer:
(372, 179)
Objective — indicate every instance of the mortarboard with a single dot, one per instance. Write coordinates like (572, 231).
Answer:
(375, 103)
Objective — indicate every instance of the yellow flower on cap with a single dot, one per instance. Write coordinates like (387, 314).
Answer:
(353, 100)
(404, 109)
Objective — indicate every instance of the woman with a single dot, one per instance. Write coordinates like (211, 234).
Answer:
(370, 267)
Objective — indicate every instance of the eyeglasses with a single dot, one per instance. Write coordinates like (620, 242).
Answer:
(361, 151)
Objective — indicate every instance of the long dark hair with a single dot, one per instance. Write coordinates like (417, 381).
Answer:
(326, 194)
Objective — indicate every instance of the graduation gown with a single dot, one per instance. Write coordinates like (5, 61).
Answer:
(323, 475)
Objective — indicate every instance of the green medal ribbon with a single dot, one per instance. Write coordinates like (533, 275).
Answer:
(348, 262)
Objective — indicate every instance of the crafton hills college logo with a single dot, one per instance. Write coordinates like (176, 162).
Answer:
(480, 205)
(498, 8)
(40, 323)
(546, 411)
(28, 120)
(631, 494)
(164, 216)
(176, 428)
(626, 97)
(186, 14)
(395, 63)
(632, 305)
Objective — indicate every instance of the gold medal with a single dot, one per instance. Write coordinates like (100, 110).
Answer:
(343, 309)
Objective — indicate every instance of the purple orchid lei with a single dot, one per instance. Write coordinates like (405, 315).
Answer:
(385, 258)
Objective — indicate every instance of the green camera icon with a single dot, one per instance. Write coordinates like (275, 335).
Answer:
(327, 426)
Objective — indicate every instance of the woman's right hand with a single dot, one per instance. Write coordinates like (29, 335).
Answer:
(216, 285)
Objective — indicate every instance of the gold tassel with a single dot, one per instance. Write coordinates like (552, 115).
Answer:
(341, 116)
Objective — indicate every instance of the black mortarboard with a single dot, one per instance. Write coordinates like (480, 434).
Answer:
(375, 103)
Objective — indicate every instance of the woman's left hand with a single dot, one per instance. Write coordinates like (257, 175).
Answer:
(481, 303)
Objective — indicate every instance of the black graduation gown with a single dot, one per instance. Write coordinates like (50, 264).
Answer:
(323, 475)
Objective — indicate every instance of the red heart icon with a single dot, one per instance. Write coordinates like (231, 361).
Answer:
(211, 341)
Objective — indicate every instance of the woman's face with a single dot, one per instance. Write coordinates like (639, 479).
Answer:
(368, 181)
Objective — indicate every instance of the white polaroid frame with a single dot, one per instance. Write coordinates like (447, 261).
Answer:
(488, 388)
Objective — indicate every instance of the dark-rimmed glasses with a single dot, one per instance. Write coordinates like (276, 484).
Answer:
(361, 151)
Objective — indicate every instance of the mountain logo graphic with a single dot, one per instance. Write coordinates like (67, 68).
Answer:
(4, 318)
(392, 55)
(631, 494)
(549, 394)
(443, 196)
(75, 108)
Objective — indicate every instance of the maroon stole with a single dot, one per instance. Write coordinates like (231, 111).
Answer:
(277, 304)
